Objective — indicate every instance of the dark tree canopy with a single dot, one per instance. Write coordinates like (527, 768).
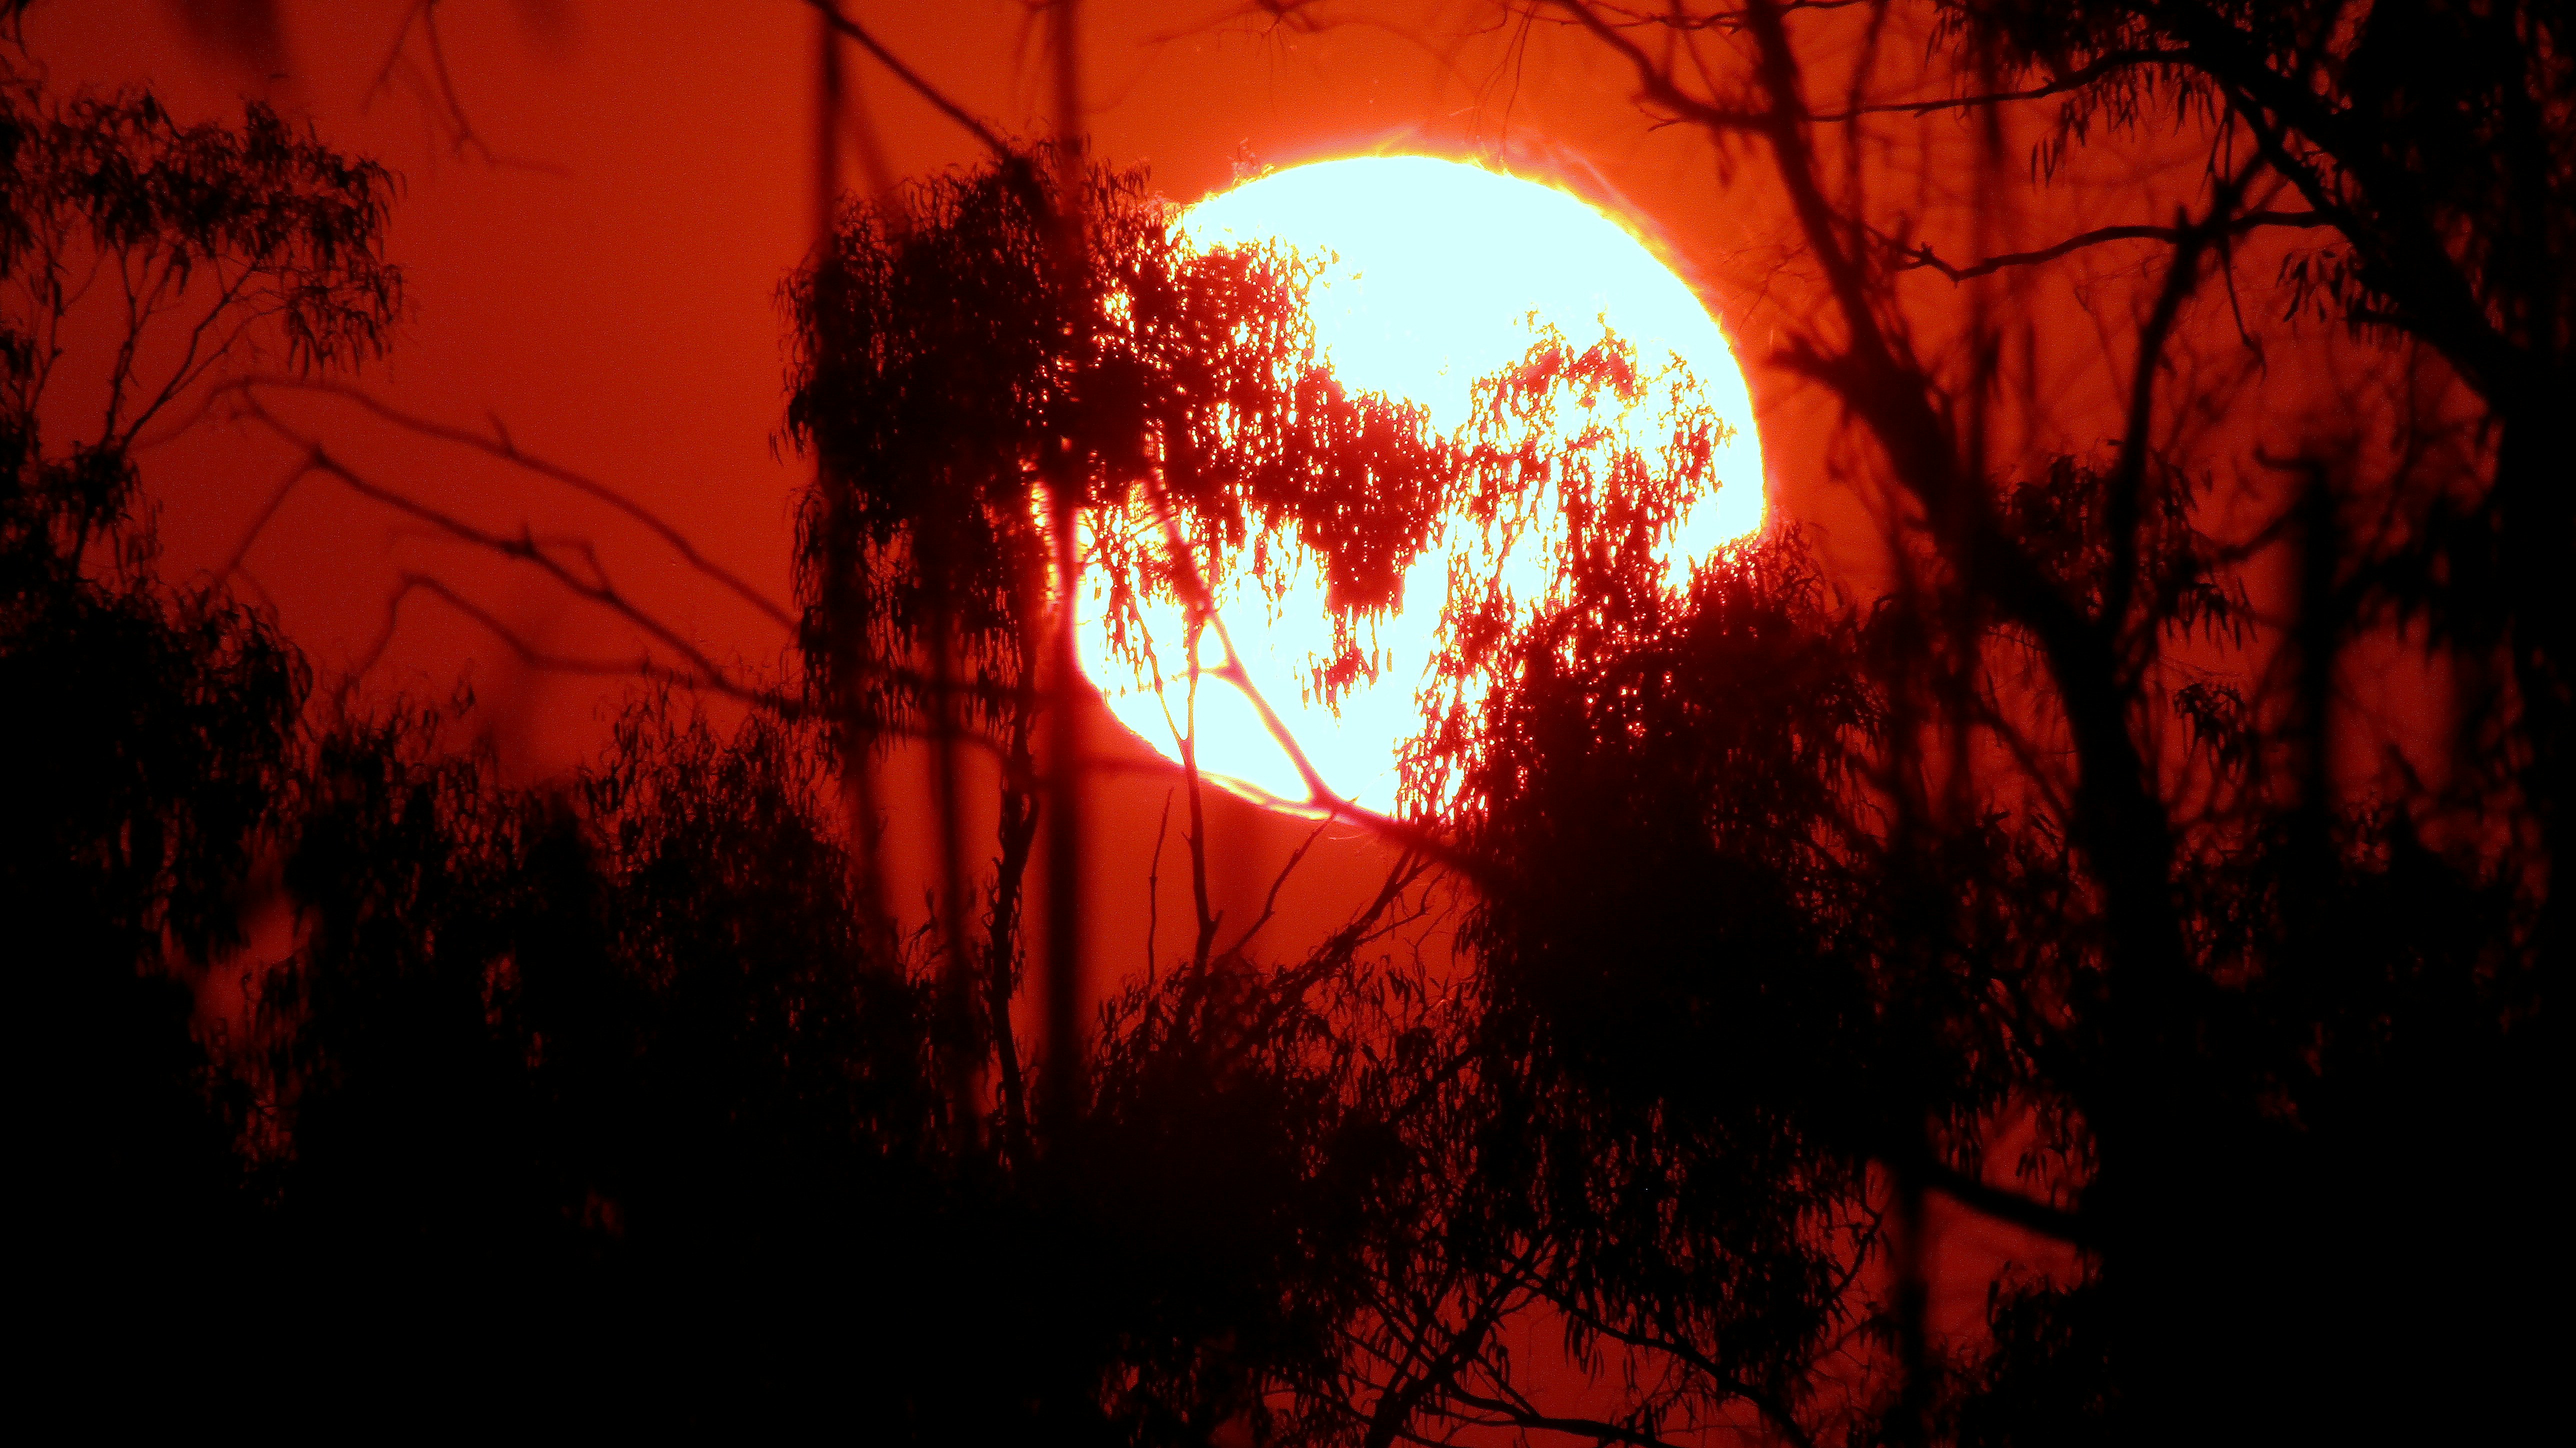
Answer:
(599, 1098)
(2230, 998)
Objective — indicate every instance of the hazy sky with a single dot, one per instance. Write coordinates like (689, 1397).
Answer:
(596, 269)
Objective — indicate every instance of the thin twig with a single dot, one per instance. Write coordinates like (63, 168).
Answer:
(938, 99)
(1921, 256)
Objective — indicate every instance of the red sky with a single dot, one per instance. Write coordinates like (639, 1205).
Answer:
(605, 290)
(596, 272)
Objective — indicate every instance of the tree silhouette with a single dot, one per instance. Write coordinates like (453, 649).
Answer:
(151, 730)
(950, 369)
(2040, 879)
(2062, 846)
(605, 1097)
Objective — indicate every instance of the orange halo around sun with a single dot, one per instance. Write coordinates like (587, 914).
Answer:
(1435, 273)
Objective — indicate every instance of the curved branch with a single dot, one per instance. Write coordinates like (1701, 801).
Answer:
(1921, 257)
(783, 705)
(1320, 796)
(501, 446)
(2076, 79)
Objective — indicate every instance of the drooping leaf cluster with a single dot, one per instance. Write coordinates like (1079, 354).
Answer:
(262, 236)
(1573, 479)
(984, 342)
(1674, 1083)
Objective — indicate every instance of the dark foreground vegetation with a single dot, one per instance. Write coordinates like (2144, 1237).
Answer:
(2028, 886)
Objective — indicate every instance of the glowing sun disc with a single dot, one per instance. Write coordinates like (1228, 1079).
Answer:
(1435, 271)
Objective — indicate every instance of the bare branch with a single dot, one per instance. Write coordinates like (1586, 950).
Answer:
(783, 705)
(2075, 79)
(439, 91)
(500, 446)
(1270, 902)
(1921, 257)
(831, 12)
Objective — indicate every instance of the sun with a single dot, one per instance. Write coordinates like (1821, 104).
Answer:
(1436, 273)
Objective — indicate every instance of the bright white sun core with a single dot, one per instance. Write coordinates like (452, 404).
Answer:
(1435, 274)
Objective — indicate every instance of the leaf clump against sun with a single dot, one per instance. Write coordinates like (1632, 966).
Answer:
(1335, 437)
(1575, 385)
(1588, 414)
(949, 366)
